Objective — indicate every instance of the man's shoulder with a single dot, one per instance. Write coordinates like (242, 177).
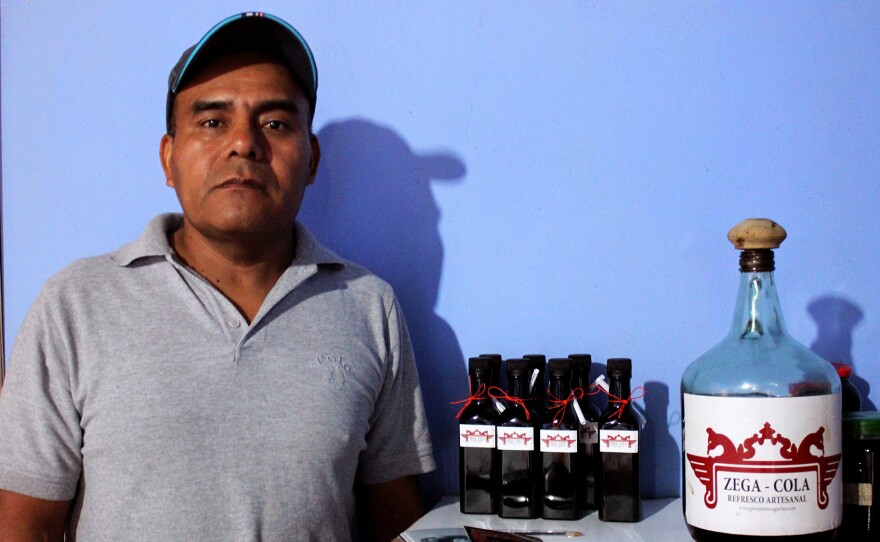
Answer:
(98, 269)
(353, 274)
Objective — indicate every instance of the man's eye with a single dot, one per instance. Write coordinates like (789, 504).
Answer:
(211, 123)
(276, 125)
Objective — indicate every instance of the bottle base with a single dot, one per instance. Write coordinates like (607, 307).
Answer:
(703, 535)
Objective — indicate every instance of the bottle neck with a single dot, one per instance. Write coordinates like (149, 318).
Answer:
(560, 386)
(619, 386)
(583, 378)
(518, 386)
(479, 380)
(757, 314)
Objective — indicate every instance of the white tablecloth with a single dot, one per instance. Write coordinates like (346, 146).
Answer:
(662, 522)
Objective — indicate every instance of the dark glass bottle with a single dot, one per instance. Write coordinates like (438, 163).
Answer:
(588, 431)
(861, 476)
(477, 461)
(497, 359)
(761, 426)
(558, 444)
(495, 378)
(618, 477)
(520, 489)
(537, 383)
(852, 399)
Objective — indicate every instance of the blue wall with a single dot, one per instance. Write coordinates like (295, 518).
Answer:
(531, 177)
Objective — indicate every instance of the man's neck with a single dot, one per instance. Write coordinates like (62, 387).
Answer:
(242, 270)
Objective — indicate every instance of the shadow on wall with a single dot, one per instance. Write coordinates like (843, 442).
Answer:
(372, 204)
(661, 460)
(836, 318)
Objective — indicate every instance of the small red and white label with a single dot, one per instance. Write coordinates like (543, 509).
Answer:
(589, 433)
(618, 442)
(762, 466)
(554, 440)
(516, 438)
(476, 436)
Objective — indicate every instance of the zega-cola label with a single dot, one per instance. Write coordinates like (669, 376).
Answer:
(620, 442)
(762, 466)
(476, 436)
(555, 440)
(516, 438)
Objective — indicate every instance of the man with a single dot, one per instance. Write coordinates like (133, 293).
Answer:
(224, 377)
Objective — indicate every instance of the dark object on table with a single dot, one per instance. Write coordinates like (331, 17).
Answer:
(486, 535)
(861, 487)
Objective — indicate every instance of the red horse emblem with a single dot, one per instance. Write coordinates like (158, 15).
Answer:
(738, 458)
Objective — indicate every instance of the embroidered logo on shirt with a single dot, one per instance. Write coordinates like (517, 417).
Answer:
(336, 369)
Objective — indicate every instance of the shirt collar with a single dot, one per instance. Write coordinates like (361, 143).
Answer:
(153, 243)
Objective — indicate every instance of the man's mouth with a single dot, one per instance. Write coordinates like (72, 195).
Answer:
(242, 182)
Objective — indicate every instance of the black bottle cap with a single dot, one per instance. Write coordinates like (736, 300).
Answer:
(496, 365)
(559, 367)
(539, 361)
(620, 367)
(518, 367)
(480, 365)
(582, 362)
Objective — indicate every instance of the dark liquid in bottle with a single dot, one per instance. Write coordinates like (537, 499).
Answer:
(587, 432)
(560, 490)
(520, 490)
(620, 477)
(561, 470)
(476, 480)
(477, 466)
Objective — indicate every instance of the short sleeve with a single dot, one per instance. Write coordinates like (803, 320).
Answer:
(398, 443)
(40, 432)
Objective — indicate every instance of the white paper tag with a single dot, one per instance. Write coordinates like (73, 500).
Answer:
(578, 412)
(618, 442)
(516, 438)
(476, 436)
(535, 374)
(589, 433)
(553, 440)
(600, 381)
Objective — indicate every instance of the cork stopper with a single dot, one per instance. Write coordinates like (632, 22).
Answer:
(756, 234)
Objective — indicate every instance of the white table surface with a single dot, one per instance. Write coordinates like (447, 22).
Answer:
(662, 521)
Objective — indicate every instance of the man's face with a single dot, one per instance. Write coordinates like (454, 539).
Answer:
(242, 152)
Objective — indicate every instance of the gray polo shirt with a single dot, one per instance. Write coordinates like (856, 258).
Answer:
(138, 390)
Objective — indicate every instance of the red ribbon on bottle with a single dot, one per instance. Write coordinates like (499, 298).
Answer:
(478, 396)
(559, 405)
(615, 399)
(497, 393)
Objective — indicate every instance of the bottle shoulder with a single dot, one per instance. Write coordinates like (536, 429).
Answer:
(626, 422)
(478, 413)
(515, 416)
(568, 423)
(769, 367)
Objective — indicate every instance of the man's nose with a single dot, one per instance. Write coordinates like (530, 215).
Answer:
(247, 141)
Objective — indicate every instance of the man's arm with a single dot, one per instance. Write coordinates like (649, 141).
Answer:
(26, 519)
(387, 509)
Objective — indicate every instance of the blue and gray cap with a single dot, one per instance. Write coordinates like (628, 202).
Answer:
(250, 32)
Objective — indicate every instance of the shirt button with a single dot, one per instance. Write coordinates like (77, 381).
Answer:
(235, 323)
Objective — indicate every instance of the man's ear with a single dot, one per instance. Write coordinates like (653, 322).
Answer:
(315, 159)
(166, 148)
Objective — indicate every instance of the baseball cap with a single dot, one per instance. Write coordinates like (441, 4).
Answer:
(249, 32)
